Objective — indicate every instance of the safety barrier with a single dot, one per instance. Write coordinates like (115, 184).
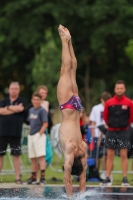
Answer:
(25, 162)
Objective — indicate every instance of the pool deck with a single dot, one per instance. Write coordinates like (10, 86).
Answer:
(14, 185)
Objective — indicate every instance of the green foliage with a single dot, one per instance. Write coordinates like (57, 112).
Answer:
(129, 50)
(30, 46)
(57, 164)
(46, 66)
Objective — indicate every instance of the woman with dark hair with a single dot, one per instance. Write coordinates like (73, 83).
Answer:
(72, 145)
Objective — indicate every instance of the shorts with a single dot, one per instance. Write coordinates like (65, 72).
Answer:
(117, 139)
(15, 145)
(36, 145)
(130, 149)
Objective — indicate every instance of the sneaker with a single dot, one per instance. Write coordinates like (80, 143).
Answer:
(125, 182)
(107, 182)
(31, 181)
(103, 176)
(42, 181)
(111, 178)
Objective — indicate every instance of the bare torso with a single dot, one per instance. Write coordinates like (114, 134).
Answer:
(69, 132)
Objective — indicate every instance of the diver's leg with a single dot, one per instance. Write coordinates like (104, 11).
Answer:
(64, 88)
(73, 69)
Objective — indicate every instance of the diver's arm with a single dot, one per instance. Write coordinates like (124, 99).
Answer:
(83, 174)
(67, 180)
(83, 180)
(69, 158)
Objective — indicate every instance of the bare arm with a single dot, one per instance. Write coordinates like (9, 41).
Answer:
(69, 158)
(16, 108)
(83, 180)
(43, 128)
(83, 175)
(67, 179)
(5, 111)
(93, 129)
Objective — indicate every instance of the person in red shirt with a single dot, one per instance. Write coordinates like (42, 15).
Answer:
(82, 123)
(118, 115)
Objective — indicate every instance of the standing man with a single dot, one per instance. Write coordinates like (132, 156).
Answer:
(11, 120)
(96, 118)
(118, 115)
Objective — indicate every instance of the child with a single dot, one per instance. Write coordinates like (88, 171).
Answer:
(37, 118)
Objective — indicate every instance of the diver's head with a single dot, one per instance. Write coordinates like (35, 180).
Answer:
(77, 167)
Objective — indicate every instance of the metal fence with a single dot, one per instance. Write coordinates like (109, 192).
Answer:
(25, 162)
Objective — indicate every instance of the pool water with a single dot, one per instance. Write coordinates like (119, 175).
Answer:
(58, 193)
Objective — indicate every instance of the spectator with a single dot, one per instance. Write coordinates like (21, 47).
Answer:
(88, 136)
(85, 130)
(87, 119)
(130, 150)
(37, 139)
(96, 118)
(11, 120)
(43, 91)
(118, 115)
(82, 122)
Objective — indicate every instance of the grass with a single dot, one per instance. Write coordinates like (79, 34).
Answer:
(57, 163)
(26, 165)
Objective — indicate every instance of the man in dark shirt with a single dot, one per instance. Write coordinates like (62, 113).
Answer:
(118, 115)
(11, 120)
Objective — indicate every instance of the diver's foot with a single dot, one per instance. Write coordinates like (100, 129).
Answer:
(64, 32)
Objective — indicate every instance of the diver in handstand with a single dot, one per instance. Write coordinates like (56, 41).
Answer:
(72, 145)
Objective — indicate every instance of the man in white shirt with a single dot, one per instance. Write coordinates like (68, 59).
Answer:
(96, 118)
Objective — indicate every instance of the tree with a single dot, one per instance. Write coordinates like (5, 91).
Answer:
(129, 53)
(46, 67)
(100, 31)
